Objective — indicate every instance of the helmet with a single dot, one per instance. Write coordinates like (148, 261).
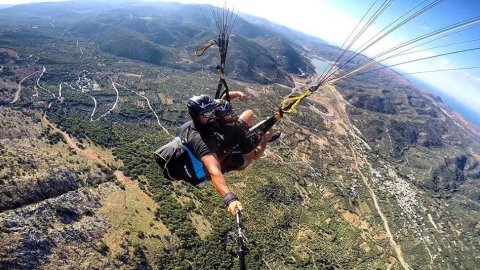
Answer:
(201, 104)
(223, 108)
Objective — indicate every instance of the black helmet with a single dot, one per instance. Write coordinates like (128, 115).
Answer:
(223, 108)
(200, 104)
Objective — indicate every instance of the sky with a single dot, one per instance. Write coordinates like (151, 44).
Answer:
(334, 20)
(17, 2)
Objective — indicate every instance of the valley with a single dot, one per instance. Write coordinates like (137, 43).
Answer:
(370, 173)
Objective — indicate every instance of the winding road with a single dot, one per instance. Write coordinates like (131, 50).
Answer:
(34, 61)
(361, 161)
(60, 90)
(86, 89)
(19, 88)
(111, 109)
(150, 106)
(78, 46)
(393, 243)
(43, 88)
(72, 143)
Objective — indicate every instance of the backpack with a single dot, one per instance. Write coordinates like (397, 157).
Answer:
(178, 162)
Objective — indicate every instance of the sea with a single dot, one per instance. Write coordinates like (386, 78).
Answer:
(451, 102)
(320, 66)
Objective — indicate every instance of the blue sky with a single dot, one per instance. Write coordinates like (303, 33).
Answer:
(333, 20)
(463, 85)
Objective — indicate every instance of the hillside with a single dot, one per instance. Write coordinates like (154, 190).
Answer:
(370, 173)
(165, 34)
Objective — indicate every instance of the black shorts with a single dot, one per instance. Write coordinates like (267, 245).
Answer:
(233, 162)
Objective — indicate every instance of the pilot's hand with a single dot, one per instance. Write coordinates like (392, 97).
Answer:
(233, 206)
(267, 136)
(242, 96)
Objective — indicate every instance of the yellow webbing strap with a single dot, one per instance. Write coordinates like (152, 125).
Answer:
(278, 115)
(292, 104)
(220, 72)
(200, 51)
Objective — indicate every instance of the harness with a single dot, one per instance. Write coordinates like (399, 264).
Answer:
(196, 163)
(177, 160)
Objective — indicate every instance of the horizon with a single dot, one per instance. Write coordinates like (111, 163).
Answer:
(466, 83)
(306, 15)
(105, 166)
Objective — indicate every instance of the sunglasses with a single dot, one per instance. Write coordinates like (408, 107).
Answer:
(225, 113)
(208, 114)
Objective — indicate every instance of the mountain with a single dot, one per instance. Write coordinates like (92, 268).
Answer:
(370, 172)
(291, 34)
(455, 104)
(165, 34)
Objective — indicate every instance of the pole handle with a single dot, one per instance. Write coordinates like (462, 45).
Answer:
(241, 249)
